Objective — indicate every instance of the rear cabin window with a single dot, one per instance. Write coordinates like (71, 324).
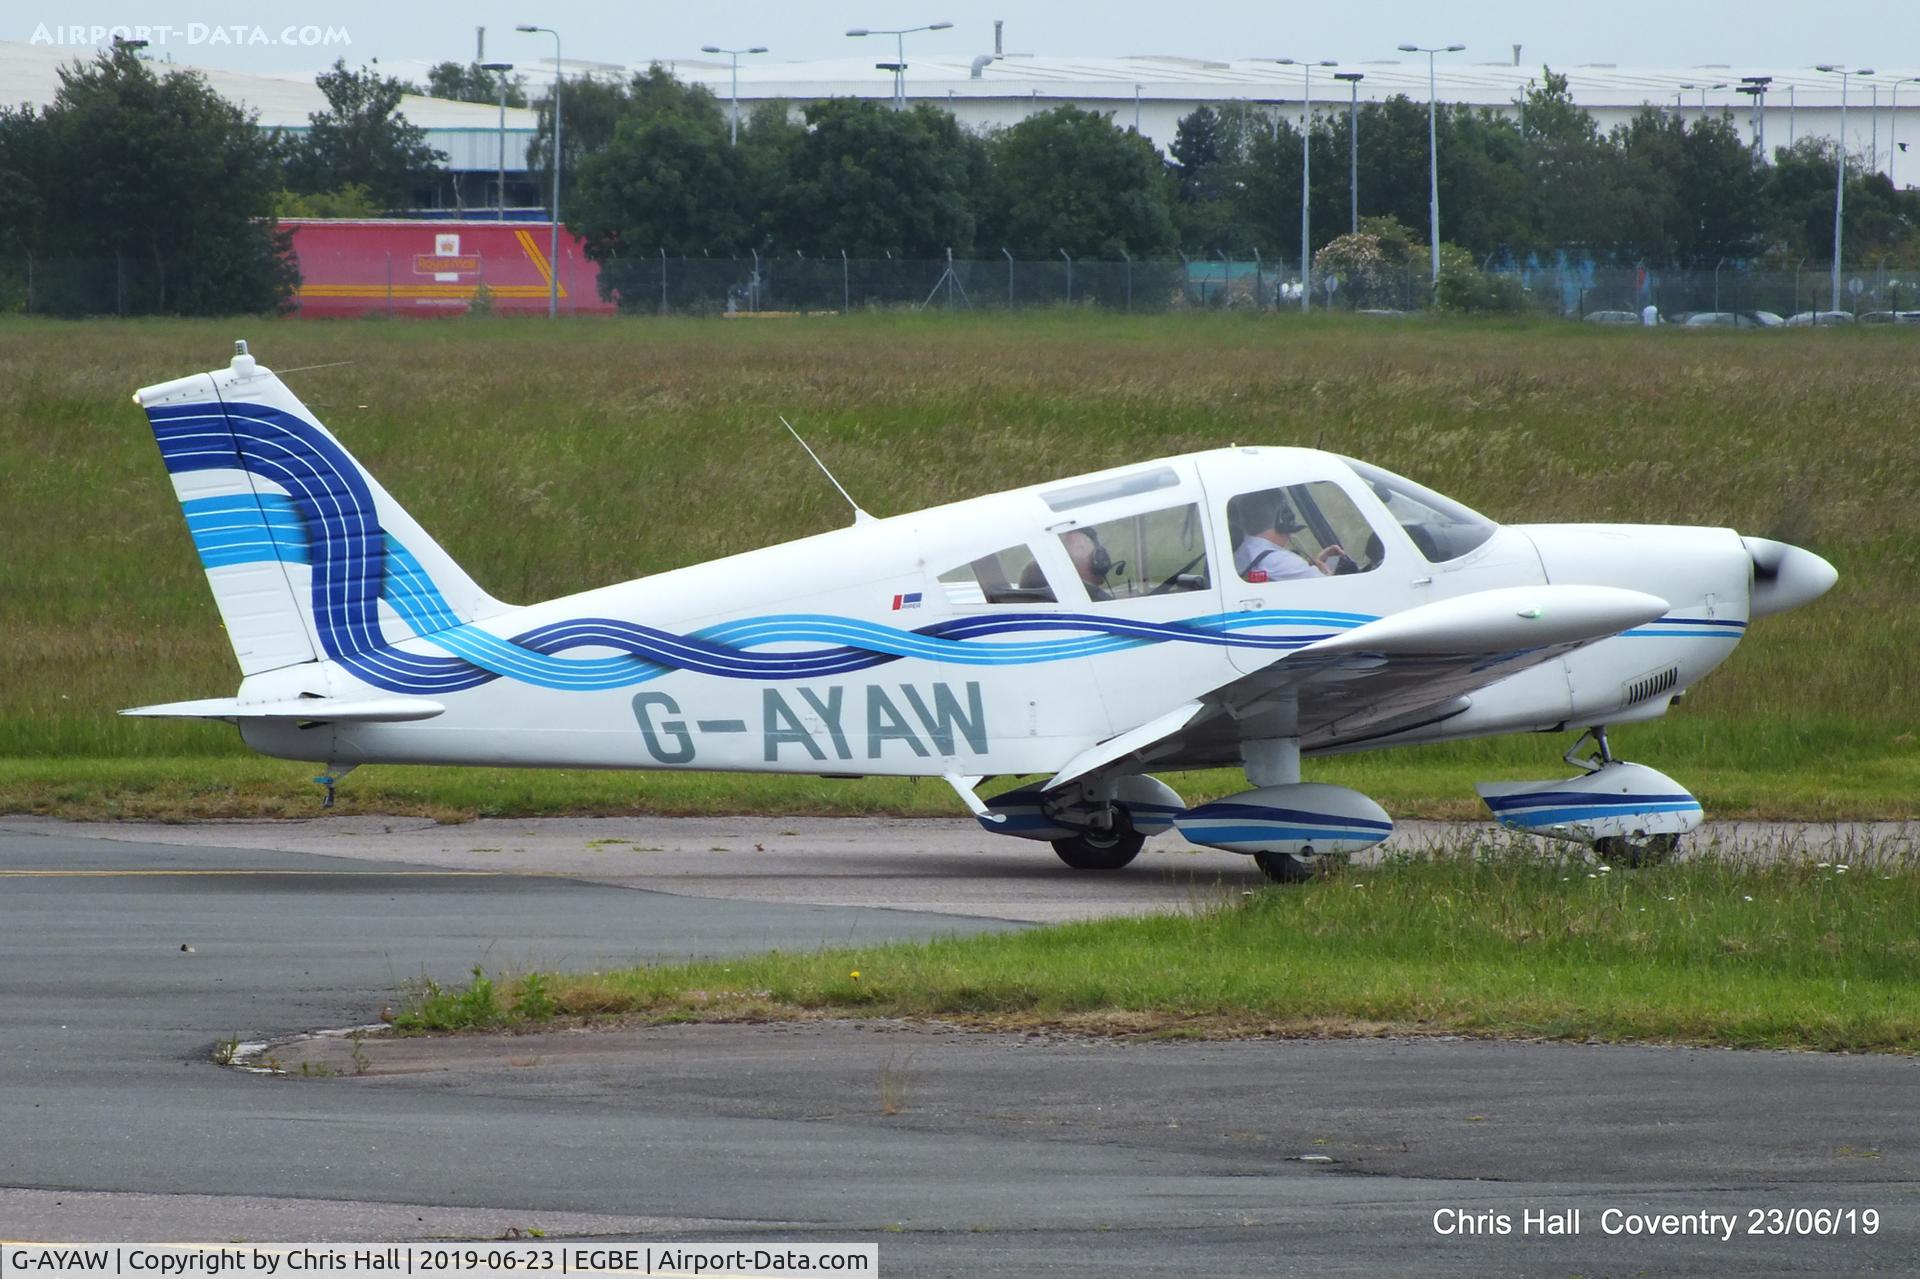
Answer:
(1300, 531)
(1011, 576)
(1160, 552)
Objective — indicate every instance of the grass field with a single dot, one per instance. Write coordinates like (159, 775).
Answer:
(548, 458)
(1485, 941)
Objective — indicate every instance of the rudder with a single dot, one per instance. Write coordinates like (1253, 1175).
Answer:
(307, 555)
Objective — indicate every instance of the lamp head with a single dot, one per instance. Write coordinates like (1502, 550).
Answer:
(527, 27)
(939, 26)
(856, 31)
(758, 48)
(1456, 48)
(1350, 75)
(1409, 48)
(710, 48)
(496, 66)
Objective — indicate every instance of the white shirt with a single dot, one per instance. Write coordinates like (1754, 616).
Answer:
(1649, 315)
(1280, 563)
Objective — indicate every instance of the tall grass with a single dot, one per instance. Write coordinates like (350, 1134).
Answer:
(549, 458)
(1486, 940)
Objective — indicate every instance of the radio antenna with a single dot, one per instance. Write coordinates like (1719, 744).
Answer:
(859, 516)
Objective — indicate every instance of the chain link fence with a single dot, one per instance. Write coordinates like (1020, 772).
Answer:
(772, 285)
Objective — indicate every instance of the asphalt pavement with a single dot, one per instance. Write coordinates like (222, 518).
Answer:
(126, 955)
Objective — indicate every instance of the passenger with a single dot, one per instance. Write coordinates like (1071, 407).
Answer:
(1091, 561)
(1268, 555)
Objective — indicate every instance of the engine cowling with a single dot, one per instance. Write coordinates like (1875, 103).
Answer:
(1305, 819)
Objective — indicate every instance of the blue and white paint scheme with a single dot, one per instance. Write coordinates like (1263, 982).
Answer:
(1308, 819)
(1070, 636)
(1617, 801)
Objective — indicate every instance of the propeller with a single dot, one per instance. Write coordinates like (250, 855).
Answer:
(1785, 576)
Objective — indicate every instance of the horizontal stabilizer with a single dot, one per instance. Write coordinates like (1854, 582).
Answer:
(331, 710)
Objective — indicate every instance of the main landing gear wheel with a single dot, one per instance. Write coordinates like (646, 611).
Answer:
(1642, 850)
(1108, 849)
(1284, 868)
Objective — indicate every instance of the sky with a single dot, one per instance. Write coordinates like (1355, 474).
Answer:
(277, 36)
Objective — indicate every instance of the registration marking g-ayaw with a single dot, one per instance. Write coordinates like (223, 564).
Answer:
(828, 722)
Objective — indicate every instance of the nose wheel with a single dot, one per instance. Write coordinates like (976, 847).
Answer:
(1637, 851)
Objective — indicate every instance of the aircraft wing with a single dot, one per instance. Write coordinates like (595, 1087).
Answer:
(1403, 671)
(315, 710)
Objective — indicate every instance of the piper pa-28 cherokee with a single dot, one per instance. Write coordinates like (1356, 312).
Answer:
(1242, 606)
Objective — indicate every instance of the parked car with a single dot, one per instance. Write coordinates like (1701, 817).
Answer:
(1612, 317)
(1808, 319)
(1890, 317)
(1734, 320)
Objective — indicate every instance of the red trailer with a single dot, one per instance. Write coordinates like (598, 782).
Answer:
(399, 266)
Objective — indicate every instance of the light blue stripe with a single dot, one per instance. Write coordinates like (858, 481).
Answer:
(1557, 816)
(1200, 833)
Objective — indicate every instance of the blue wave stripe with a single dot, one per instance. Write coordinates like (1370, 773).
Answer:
(1555, 816)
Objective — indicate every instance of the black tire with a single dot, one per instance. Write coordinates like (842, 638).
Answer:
(1102, 850)
(1648, 850)
(1284, 868)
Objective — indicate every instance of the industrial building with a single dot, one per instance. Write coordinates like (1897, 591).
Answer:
(1150, 92)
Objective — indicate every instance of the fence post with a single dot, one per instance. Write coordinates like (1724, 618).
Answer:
(1259, 269)
(1069, 258)
(1226, 280)
(663, 279)
(389, 281)
(1186, 276)
(119, 283)
(1009, 254)
(29, 284)
(753, 284)
(846, 286)
(1129, 259)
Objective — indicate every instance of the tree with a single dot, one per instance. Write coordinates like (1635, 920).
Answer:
(1068, 179)
(470, 82)
(868, 180)
(361, 139)
(160, 177)
(668, 182)
(591, 111)
(1572, 174)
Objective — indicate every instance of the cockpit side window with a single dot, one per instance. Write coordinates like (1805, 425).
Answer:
(1153, 553)
(1440, 527)
(1011, 576)
(1301, 531)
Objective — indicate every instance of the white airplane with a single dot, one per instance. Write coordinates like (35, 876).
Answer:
(1242, 606)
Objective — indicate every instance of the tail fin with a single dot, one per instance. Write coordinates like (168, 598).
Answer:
(308, 557)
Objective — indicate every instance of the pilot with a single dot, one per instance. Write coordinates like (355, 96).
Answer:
(1268, 555)
(1091, 561)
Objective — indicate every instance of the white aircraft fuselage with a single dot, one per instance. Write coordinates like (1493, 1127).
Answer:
(1243, 605)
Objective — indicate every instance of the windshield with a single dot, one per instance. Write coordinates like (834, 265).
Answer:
(1439, 527)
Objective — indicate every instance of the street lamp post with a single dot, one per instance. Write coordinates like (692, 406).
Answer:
(1306, 174)
(733, 128)
(1893, 128)
(1433, 150)
(1755, 87)
(500, 70)
(1840, 183)
(553, 253)
(1353, 79)
(899, 63)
